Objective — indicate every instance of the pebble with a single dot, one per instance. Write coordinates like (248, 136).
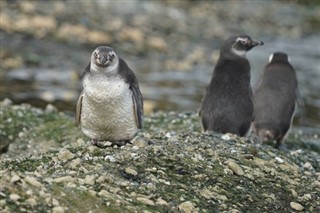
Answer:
(65, 154)
(145, 201)
(279, 160)
(6, 102)
(14, 197)
(308, 166)
(225, 137)
(76, 162)
(235, 168)
(58, 209)
(14, 179)
(31, 201)
(63, 179)
(161, 202)
(131, 171)
(50, 108)
(296, 206)
(110, 158)
(139, 142)
(187, 207)
(33, 181)
(89, 179)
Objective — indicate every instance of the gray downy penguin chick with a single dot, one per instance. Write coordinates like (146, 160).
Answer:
(227, 106)
(110, 107)
(275, 99)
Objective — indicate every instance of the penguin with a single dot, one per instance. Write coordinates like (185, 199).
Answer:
(227, 106)
(276, 97)
(110, 106)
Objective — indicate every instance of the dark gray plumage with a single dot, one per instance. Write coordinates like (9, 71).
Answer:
(110, 107)
(227, 106)
(275, 99)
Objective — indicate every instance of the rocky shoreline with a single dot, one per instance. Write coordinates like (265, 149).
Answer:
(171, 166)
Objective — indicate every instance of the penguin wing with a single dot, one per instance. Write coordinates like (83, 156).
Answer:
(137, 104)
(78, 109)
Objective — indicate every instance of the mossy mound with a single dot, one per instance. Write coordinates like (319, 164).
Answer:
(171, 166)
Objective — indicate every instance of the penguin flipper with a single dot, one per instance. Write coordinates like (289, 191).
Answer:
(78, 109)
(137, 105)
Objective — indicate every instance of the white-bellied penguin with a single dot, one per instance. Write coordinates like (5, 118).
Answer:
(110, 107)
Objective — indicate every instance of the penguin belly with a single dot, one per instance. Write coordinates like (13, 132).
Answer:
(107, 110)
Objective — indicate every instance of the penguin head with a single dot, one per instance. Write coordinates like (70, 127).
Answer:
(240, 44)
(279, 57)
(104, 58)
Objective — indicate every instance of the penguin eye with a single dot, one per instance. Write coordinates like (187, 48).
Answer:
(111, 56)
(244, 42)
(95, 55)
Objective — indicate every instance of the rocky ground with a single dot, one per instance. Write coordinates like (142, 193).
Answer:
(171, 166)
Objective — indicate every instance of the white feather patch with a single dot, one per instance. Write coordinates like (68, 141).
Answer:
(107, 109)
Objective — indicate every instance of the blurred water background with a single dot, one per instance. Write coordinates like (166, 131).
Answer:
(171, 45)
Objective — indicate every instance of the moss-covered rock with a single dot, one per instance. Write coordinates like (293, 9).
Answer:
(170, 167)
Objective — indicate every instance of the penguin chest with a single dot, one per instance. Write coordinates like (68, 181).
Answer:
(107, 110)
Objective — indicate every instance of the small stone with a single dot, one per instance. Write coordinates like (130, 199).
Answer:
(50, 108)
(65, 154)
(58, 209)
(33, 181)
(145, 201)
(6, 102)
(75, 163)
(279, 160)
(63, 179)
(308, 166)
(104, 193)
(186, 207)
(131, 171)
(161, 202)
(306, 197)
(235, 168)
(294, 193)
(14, 179)
(31, 201)
(226, 137)
(55, 202)
(81, 142)
(14, 197)
(89, 179)
(139, 142)
(296, 206)
(110, 158)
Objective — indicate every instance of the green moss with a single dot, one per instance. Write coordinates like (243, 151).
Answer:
(81, 201)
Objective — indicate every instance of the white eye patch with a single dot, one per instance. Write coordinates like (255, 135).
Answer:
(242, 40)
(270, 58)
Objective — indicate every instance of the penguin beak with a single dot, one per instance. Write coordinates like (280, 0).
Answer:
(103, 60)
(256, 43)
